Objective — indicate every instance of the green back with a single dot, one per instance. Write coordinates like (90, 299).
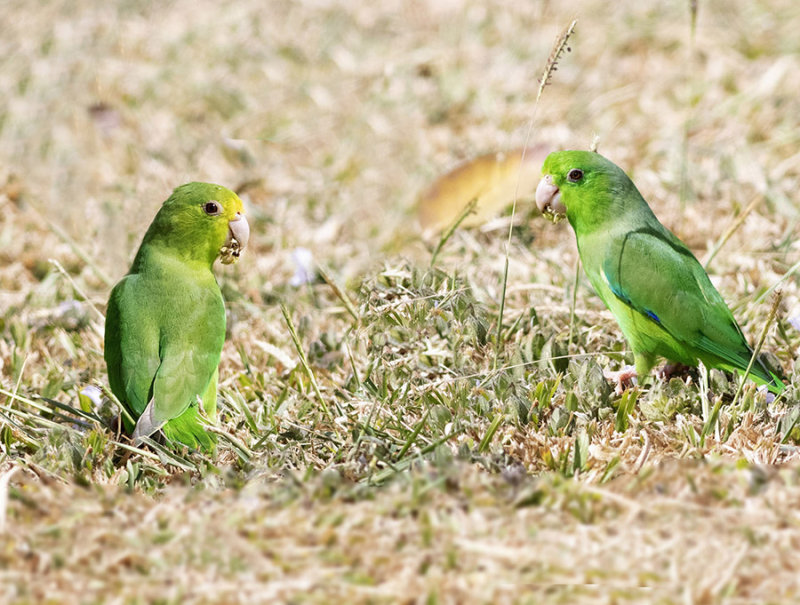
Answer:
(658, 291)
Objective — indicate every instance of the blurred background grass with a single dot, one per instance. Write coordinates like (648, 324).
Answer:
(329, 118)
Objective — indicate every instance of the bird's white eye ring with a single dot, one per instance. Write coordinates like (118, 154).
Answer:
(575, 175)
(212, 208)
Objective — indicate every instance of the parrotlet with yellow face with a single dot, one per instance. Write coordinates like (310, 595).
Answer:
(165, 322)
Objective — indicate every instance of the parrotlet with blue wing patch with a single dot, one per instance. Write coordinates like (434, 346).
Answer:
(657, 290)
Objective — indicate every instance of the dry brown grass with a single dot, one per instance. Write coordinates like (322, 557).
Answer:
(448, 474)
(725, 536)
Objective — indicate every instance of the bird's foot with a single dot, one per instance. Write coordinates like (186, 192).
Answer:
(623, 379)
(668, 370)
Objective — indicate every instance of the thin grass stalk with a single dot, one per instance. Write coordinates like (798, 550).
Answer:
(304, 361)
(64, 236)
(551, 66)
(776, 301)
(792, 270)
(738, 221)
(574, 301)
(340, 294)
(468, 209)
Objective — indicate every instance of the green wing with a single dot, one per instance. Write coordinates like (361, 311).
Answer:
(181, 382)
(131, 347)
(653, 273)
(162, 346)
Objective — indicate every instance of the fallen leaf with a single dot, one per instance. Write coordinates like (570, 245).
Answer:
(494, 179)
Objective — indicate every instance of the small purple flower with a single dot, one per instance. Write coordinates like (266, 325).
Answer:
(303, 267)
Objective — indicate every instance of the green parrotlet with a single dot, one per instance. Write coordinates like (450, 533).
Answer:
(165, 323)
(657, 290)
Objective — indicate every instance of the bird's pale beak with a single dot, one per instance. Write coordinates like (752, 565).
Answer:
(238, 236)
(548, 197)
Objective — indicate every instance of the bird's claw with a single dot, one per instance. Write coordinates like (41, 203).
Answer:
(623, 379)
(669, 370)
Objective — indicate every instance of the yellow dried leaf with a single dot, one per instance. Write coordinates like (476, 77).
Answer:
(493, 180)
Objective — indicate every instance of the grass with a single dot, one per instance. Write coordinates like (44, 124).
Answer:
(383, 438)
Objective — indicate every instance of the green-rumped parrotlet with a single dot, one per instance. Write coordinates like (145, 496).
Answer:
(657, 290)
(165, 323)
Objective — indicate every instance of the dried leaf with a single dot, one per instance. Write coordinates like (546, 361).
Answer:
(494, 180)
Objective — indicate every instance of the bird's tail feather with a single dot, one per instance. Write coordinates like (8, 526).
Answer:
(763, 374)
(147, 423)
(188, 429)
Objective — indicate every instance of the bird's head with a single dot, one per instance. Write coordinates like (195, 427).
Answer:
(581, 185)
(203, 222)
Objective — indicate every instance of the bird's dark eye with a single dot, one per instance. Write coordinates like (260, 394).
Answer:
(575, 175)
(211, 208)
